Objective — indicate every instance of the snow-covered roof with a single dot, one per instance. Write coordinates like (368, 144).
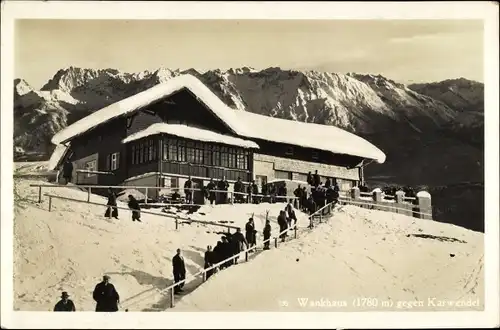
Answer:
(190, 132)
(147, 97)
(57, 155)
(242, 123)
(309, 135)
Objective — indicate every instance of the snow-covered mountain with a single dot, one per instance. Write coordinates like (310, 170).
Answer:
(431, 133)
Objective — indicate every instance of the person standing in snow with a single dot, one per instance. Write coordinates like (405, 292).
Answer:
(211, 192)
(65, 304)
(187, 190)
(316, 179)
(250, 232)
(209, 261)
(255, 192)
(310, 179)
(238, 188)
(267, 234)
(133, 204)
(328, 183)
(222, 187)
(106, 296)
(179, 270)
(67, 172)
(283, 225)
(238, 242)
(112, 210)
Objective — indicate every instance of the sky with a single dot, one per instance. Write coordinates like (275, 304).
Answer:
(406, 51)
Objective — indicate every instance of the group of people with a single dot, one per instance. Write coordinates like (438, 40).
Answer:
(112, 210)
(320, 194)
(105, 295)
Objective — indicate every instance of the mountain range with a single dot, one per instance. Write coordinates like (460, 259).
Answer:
(432, 134)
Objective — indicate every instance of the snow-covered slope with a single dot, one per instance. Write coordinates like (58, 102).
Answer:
(359, 253)
(70, 248)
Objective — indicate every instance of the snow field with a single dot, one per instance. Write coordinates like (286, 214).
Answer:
(70, 248)
(359, 253)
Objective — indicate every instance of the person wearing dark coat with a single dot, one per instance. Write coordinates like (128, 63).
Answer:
(311, 205)
(112, 209)
(255, 192)
(310, 178)
(211, 192)
(218, 253)
(250, 232)
(283, 225)
(106, 296)
(328, 183)
(209, 261)
(67, 172)
(133, 204)
(187, 190)
(238, 242)
(222, 186)
(316, 179)
(179, 270)
(238, 188)
(298, 193)
(226, 252)
(267, 234)
(65, 304)
(304, 198)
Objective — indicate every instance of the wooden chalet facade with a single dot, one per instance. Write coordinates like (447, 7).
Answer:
(123, 149)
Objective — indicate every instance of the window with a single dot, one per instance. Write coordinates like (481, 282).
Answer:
(181, 151)
(91, 166)
(165, 149)
(190, 155)
(283, 175)
(216, 156)
(207, 155)
(115, 161)
(242, 160)
(289, 151)
(224, 157)
(315, 155)
(172, 149)
(141, 153)
(151, 150)
(198, 156)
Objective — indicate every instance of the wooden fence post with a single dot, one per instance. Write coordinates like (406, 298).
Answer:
(320, 216)
(171, 297)
(146, 196)
(50, 203)
(204, 274)
(88, 194)
(295, 231)
(176, 223)
(276, 242)
(39, 194)
(229, 230)
(246, 256)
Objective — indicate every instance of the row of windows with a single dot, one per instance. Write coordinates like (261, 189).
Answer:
(144, 152)
(205, 154)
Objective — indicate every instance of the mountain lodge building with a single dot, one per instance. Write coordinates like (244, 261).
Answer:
(163, 135)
